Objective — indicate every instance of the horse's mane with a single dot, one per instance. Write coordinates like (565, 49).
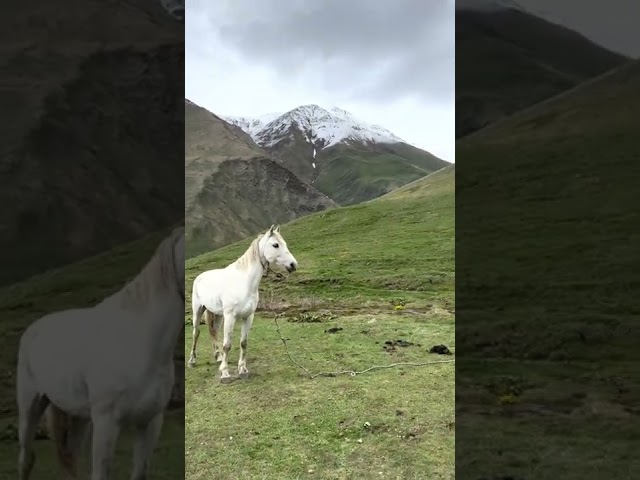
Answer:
(251, 255)
(158, 273)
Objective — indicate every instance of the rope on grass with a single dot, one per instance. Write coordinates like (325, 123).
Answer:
(352, 373)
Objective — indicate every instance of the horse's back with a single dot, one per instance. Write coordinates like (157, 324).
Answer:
(54, 328)
(52, 353)
(208, 289)
(225, 290)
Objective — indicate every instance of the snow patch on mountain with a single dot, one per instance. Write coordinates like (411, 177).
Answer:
(322, 128)
(252, 125)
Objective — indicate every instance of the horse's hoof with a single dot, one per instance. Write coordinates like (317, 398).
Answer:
(225, 380)
(191, 364)
(243, 375)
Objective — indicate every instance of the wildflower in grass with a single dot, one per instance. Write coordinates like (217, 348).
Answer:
(507, 399)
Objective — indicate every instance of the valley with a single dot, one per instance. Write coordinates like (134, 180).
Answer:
(545, 309)
(243, 174)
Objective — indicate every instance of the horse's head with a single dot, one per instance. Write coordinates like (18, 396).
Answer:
(275, 250)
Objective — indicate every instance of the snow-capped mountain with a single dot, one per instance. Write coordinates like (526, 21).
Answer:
(331, 149)
(252, 125)
(322, 128)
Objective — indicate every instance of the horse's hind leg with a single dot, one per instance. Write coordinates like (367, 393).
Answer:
(197, 312)
(146, 439)
(243, 372)
(229, 323)
(31, 406)
(76, 437)
(217, 325)
(214, 322)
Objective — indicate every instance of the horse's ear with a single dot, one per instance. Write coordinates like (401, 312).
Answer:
(277, 230)
(271, 230)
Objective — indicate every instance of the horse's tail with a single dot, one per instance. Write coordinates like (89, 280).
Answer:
(196, 306)
(195, 302)
(209, 318)
(58, 423)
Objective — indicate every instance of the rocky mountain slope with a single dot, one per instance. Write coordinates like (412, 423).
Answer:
(84, 90)
(232, 187)
(346, 158)
(508, 59)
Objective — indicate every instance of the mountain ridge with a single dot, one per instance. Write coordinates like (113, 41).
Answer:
(233, 188)
(509, 59)
(347, 159)
(323, 127)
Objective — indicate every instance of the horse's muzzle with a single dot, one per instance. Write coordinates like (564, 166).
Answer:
(292, 267)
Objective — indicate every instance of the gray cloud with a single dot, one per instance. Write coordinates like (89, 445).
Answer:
(378, 51)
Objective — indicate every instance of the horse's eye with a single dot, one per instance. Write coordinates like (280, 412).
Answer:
(275, 245)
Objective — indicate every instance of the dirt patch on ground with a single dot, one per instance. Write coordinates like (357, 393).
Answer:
(333, 330)
(311, 317)
(390, 345)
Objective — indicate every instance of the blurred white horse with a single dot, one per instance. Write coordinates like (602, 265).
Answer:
(232, 292)
(106, 366)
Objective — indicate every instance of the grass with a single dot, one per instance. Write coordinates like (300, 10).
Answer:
(356, 172)
(509, 60)
(350, 175)
(280, 424)
(399, 248)
(168, 460)
(547, 278)
(381, 271)
(81, 284)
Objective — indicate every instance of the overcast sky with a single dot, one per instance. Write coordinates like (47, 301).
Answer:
(388, 62)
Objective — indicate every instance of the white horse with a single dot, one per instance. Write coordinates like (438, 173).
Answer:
(107, 367)
(232, 292)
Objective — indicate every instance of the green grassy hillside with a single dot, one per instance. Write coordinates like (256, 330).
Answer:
(78, 285)
(508, 59)
(436, 184)
(381, 271)
(547, 258)
(350, 175)
(395, 246)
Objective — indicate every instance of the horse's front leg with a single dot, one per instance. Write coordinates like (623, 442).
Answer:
(104, 438)
(145, 442)
(243, 372)
(229, 323)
